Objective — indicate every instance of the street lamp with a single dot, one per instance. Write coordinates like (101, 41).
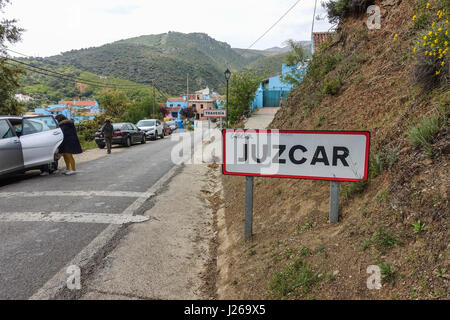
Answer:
(227, 77)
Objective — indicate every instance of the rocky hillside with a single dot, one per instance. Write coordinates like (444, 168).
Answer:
(392, 82)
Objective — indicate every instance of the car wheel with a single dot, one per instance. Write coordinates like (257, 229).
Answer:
(128, 143)
(101, 146)
(144, 140)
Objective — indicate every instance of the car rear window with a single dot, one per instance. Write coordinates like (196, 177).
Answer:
(118, 126)
(38, 124)
(147, 123)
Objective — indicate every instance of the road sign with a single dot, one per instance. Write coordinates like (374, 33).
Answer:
(215, 113)
(314, 155)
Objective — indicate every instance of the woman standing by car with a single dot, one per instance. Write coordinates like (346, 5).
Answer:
(70, 145)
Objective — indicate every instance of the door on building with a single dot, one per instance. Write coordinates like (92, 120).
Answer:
(271, 98)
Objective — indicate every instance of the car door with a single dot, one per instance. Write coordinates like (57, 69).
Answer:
(136, 133)
(11, 158)
(159, 128)
(130, 132)
(40, 138)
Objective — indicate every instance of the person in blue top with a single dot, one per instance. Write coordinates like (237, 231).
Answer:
(70, 145)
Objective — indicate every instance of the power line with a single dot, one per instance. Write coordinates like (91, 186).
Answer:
(273, 26)
(57, 74)
(81, 80)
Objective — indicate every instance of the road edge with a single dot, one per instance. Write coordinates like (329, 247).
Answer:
(98, 248)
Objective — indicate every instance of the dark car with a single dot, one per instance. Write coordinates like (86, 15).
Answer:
(125, 134)
(167, 130)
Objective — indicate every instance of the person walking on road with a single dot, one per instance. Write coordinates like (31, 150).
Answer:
(107, 131)
(70, 145)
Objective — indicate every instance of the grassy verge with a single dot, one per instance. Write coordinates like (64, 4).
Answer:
(87, 145)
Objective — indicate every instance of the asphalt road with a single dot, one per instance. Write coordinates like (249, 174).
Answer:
(33, 250)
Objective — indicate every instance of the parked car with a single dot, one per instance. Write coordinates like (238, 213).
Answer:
(167, 129)
(173, 125)
(153, 128)
(125, 134)
(28, 143)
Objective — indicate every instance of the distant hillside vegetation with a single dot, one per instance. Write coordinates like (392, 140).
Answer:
(47, 89)
(271, 65)
(167, 58)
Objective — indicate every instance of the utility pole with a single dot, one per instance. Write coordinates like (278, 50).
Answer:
(154, 98)
(312, 28)
(187, 91)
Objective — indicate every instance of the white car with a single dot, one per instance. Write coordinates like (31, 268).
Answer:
(28, 143)
(153, 128)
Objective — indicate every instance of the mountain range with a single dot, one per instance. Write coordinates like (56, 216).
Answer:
(169, 59)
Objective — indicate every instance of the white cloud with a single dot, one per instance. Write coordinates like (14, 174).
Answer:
(55, 26)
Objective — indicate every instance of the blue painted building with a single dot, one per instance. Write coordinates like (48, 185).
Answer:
(272, 91)
(78, 111)
(198, 101)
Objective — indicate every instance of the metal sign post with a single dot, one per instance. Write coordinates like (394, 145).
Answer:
(334, 156)
(334, 202)
(248, 207)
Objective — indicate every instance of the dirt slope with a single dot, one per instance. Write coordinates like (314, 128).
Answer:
(295, 253)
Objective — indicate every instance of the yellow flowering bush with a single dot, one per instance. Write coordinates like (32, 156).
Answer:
(432, 46)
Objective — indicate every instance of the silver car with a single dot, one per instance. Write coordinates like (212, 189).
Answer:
(153, 128)
(28, 143)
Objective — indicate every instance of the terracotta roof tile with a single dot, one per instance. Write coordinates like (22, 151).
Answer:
(79, 103)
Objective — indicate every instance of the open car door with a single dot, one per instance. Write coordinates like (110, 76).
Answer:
(11, 158)
(40, 137)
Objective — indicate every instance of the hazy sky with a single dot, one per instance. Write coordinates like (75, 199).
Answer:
(54, 26)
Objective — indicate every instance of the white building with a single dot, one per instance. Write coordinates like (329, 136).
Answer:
(22, 97)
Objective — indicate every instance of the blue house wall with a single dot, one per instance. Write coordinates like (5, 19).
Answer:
(64, 110)
(275, 84)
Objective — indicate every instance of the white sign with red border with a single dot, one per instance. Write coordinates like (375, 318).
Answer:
(296, 154)
(215, 113)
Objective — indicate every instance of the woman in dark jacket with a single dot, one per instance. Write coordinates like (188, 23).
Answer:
(70, 145)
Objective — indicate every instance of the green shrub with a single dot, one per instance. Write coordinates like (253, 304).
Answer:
(422, 21)
(354, 188)
(388, 273)
(331, 86)
(339, 9)
(320, 121)
(419, 227)
(293, 277)
(86, 130)
(323, 64)
(422, 135)
(385, 239)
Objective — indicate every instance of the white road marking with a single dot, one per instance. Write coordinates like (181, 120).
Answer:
(71, 217)
(124, 194)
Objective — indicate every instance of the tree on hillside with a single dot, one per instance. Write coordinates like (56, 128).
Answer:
(114, 103)
(243, 86)
(9, 75)
(295, 57)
